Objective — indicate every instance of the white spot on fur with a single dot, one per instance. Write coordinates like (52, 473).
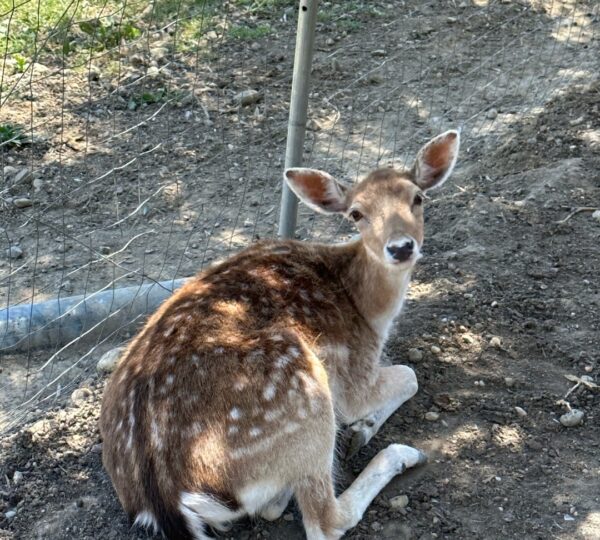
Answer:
(276, 337)
(277, 377)
(169, 331)
(155, 434)
(232, 430)
(261, 446)
(294, 352)
(291, 427)
(171, 360)
(269, 392)
(195, 429)
(255, 432)
(283, 361)
(219, 350)
(235, 414)
(302, 413)
(306, 310)
(240, 383)
(195, 359)
(170, 379)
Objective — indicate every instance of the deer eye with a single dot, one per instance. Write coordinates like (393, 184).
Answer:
(418, 200)
(355, 215)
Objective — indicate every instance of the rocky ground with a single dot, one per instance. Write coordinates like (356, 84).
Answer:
(502, 326)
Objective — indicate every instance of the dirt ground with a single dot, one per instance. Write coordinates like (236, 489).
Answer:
(504, 306)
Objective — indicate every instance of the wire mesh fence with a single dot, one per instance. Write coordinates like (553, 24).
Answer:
(141, 141)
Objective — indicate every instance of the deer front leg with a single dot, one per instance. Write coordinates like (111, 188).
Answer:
(395, 385)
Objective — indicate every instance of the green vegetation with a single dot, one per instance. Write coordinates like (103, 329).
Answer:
(249, 33)
(12, 133)
(51, 29)
(146, 98)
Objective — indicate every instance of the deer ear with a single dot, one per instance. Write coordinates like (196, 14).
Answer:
(318, 190)
(436, 160)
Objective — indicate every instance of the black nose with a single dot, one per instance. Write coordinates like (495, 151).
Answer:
(403, 252)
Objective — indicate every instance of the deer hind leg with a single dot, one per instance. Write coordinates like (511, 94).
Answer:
(276, 506)
(328, 518)
(395, 385)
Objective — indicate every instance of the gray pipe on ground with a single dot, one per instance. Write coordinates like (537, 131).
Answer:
(57, 322)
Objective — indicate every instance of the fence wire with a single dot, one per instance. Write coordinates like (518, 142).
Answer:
(141, 141)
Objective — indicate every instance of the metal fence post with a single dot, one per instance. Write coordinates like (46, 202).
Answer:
(305, 38)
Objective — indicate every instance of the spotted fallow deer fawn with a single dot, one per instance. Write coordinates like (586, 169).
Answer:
(227, 402)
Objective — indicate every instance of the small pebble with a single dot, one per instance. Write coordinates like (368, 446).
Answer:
(10, 514)
(435, 349)
(22, 202)
(288, 517)
(17, 477)
(401, 501)
(109, 360)
(247, 97)
(14, 252)
(415, 355)
(509, 381)
(432, 416)
(596, 215)
(571, 419)
(495, 342)
(329, 42)
(81, 395)
(468, 339)
(521, 412)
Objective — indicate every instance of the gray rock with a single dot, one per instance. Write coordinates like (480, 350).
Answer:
(24, 175)
(522, 413)
(573, 418)
(22, 202)
(492, 114)
(495, 342)
(415, 355)
(247, 97)
(14, 252)
(94, 73)
(17, 477)
(401, 501)
(596, 215)
(10, 514)
(435, 349)
(375, 78)
(432, 416)
(81, 395)
(38, 184)
(9, 171)
(109, 360)
(468, 339)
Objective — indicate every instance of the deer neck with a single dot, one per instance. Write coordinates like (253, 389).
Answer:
(377, 290)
